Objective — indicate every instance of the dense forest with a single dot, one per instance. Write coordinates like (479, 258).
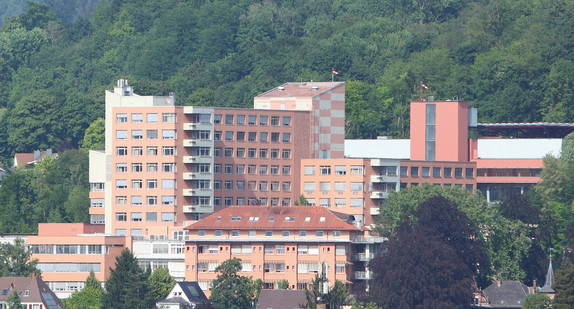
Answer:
(513, 59)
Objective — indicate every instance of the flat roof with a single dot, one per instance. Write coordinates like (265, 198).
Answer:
(303, 89)
(378, 148)
(518, 148)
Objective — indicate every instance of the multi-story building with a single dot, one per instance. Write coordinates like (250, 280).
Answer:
(166, 165)
(279, 243)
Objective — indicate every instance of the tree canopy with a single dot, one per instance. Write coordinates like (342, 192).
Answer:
(232, 291)
(15, 260)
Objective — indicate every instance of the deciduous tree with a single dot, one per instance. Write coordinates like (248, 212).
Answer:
(160, 282)
(232, 291)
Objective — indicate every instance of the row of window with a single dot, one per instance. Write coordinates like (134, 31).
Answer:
(252, 233)
(150, 151)
(337, 202)
(150, 134)
(149, 217)
(339, 186)
(150, 184)
(272, 249)
(240, 201)
(252, 169)
(437, 172)
(169, 167)
(150, 117)
(252, 120)
(338, 170)
(151, 200)
(68, 249)
(263, 186)
(264, 137)
(251, 153)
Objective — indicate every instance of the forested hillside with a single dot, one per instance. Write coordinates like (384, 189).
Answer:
(511, 58)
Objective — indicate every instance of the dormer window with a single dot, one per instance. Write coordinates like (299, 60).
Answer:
(307, 219)
(271, 219)
(289, 218)
(322, 219)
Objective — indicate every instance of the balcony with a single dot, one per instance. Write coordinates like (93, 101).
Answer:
(362, 275)
(197, 192)
(369, 240)
(375, 211)
(197, 143)
(197, 159)
(379, 194)
(197, 126)
(198, 209)
(363, 256)
(384, 178)
(196, 176)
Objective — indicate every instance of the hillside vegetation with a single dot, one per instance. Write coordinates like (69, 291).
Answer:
(513, 59)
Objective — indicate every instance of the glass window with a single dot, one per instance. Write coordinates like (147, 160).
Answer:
(240, 153)
(121, 151)
(228, 135)
(167, 217)
(241, 120)
(136, 216)
(274, 120)
(286, 154)
(274, 153)
(309, 170)
(137, 118)
(263, 120)
(458, 172)
(252, 120)
(216, 135)
(436, 172)
(425, 171)
(151, 183)
(151, 118)
(168, 183)
(325, 170)
(414, 171)
(274, 137)
(151, 134)
(286, 137)
(121, 184)
(217, 118)
(240, 169)
(263, 186)
(263, 137)
(469, 173)
(228, 119)
(151, 150)
(121, 167)
(309, 187)
(151, 200)
(252, 136)
(240, 136)
(121, 134)
(404, 171)
(447, 172)
(137, 183)
(252, 153)
(286, 169)
(274, 169)
(286, 186)
(168, 151)
(168, 134)
(228, 168)
(168, 200)
(286, 121)
(340, 170)
(121, 118)
(168, 117)
(262, 169)
(152, 167)
(137, 167)
(151, 216)
(137, 151)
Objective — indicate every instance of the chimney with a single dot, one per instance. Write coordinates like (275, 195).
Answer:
(498, 283)
(36, 154)
(49, 152)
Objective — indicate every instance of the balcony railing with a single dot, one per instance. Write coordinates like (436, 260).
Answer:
(363, 256)
(362, 275)
(369, 240)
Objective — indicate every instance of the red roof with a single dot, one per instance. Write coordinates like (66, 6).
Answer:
(30, 290)
(300, 89)
(272, 218)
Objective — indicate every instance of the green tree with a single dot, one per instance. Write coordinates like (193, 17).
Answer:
(90, 297)
(537, 301)
(160, 282)
(127, 285)
(302, 201)
(14, 301)
(94, 138)
(564, 286)
(337, 296)
(15, 260)
(315, 295)
(361, 305)
(232, 291)
(283, 284)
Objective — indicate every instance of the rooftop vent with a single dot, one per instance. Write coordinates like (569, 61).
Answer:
(281, 88)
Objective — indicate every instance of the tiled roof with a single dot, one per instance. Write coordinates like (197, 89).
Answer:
(300, 89)
(281, 299)
(30, 290)
(272, 218)
(506, 294)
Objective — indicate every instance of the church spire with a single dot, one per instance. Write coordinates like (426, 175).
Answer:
(547, 288)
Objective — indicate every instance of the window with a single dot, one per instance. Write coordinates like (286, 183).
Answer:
(458, 172)
(121, 118)
(425, 171)
(263, 186)
(286, 121)
(274, 169)
(241, 120)
(137, 134)
(168, 117)
(137, 118)
(447, 172)
(228, 135)
(229, 152)
(217, 152)
(309, 170)
(151, 118)
(340, 202)
(229, 185)
(286, 169)
(251, 185)
(152, 167)
(240, 153)
(262, 169)
(151, 151)
(286, 186)
(252, 169)
(121, 184)
(151, 200)
(136, 216)
(263, 120)
(217, 118)
(137, 183)
(356, 170)
(356, 186)
(404, 171)
(151, 216)
(286, 154)
(414, 171)
(121, 200)
(240, 169)
(240, 136)
(275, 186)
(325, 202)
(121, 167)
(268, 234)
(303, 234)
(121, 151)
(168, 134)
(274, 153)
(228, 168)
(240, 185)
(137, 151)
(168, 150)
(263, 137)
(167, 217)
(325, 170)
(340, 186)
(252, 136)
(275, 120)
(309, 187)
(168, 200)
(274, 137)
(228, 119)
(469, 173)
(356, 202)
(252, 153)
(436, 172)
(168, 183)
(217, 168)
(340, 170)
(216, 135)
(121, 134)
(151, 183)
(137, 167)
(263, 152)
(121, 217)
(319, 233)
(252, 120)
(286, 137)
(324, 186)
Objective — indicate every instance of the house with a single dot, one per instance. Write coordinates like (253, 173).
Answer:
(21, 159)
(33, 292)
(184, 295)
(503, 295)
(281, 299)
